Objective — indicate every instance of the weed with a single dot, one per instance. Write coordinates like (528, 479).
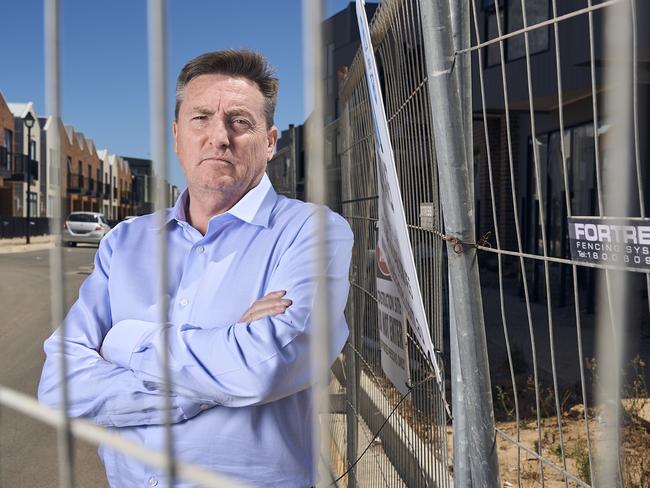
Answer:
(636, 390)
(580, 454)
(502, 397)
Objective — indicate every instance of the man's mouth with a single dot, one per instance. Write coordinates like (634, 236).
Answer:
(216, 159)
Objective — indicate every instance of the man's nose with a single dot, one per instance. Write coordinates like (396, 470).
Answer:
(218, 135)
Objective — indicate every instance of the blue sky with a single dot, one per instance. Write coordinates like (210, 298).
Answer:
(104, 67)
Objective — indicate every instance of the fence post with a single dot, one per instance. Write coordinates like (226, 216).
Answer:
(461, 39)
(351, 375)
(457, 210)
(351, 371)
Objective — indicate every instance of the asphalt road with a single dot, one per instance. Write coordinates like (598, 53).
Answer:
(28, 452)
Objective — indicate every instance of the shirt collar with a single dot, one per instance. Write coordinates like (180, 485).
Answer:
(254, 207)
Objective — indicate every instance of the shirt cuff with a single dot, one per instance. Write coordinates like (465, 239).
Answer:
(191, 408)
(125, 338)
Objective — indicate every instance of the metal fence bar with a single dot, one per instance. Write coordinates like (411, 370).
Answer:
(617, 168)
(542, 224)
(52, 77)
(156, 11)
(574, 268)
(502, 306)
(316, 182)
(351, 359)
(459, 223)
(576, 13)
(635, 114)
(92, 433)
(462, 72)
(515, 204)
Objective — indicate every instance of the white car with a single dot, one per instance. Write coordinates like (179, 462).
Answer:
(89, 227)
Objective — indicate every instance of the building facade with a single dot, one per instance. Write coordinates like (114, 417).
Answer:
(81, 178)
(287, 169)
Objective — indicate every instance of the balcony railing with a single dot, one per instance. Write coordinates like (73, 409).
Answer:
(99, 189)
(75, 183)
(90, 187)
(14, 166)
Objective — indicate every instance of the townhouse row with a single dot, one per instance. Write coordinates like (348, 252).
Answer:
(82, 177)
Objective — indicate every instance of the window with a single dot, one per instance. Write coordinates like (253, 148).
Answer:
(581, 175)
(331, 76)
(32, 149)
(82, 217)
(32, 204)
(8, 142)
(18, 199)
(536, 11)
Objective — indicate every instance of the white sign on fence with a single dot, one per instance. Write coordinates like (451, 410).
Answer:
(392, 327)
(393, 232)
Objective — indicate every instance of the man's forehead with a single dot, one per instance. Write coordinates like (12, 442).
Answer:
(219, 85)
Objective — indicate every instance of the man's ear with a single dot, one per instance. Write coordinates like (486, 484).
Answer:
(175, 134)
(271, 140)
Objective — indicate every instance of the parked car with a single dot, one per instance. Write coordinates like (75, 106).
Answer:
(88, 227)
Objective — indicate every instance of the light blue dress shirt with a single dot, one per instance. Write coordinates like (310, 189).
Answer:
(242, 401)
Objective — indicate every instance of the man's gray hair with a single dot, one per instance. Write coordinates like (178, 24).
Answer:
(233, 62)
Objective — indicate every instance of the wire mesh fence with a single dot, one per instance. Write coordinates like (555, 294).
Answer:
(543, 132)
(542, 142)
(558, 112)
(414, 439)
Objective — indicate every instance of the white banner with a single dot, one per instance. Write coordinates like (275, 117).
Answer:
(392, 328)
(393, 232)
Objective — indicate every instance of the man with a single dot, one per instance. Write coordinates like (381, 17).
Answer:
(242, 283)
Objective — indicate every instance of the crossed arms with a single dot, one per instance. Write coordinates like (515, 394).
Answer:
(262, 358)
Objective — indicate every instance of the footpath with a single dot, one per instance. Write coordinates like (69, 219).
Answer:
(17, 244)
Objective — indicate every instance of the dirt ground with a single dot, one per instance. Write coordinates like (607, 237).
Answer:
(635, 452)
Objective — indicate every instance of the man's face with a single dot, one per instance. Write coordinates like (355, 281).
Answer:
(221, 137)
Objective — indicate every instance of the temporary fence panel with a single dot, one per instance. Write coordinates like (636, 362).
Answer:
(554, 141)
(79, 429)
(401, 430)
(545, 158)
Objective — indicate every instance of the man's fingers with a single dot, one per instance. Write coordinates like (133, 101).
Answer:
(266, 308)
(273, 294)
(269, 297)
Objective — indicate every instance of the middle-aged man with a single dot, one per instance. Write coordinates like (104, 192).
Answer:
(242, 284)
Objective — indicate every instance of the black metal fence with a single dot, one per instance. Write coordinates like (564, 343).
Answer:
(17, 226)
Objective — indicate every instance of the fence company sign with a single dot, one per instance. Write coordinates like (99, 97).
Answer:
(393, 232)
(613, 242)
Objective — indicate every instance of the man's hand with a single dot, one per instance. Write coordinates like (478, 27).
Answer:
(269, 305)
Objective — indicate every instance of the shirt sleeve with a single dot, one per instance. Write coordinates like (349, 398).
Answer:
(251, 363)
(101, 391)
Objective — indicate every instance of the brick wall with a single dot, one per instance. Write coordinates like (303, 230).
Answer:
(6, 119)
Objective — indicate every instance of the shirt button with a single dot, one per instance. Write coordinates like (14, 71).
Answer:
(204, 406)
(184, 302)
(153, 481)
(200, 249)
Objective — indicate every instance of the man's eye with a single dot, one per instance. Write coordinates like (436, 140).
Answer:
(200, 117)
(241, 122)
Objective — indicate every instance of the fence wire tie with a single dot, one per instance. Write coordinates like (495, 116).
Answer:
(459, 246)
